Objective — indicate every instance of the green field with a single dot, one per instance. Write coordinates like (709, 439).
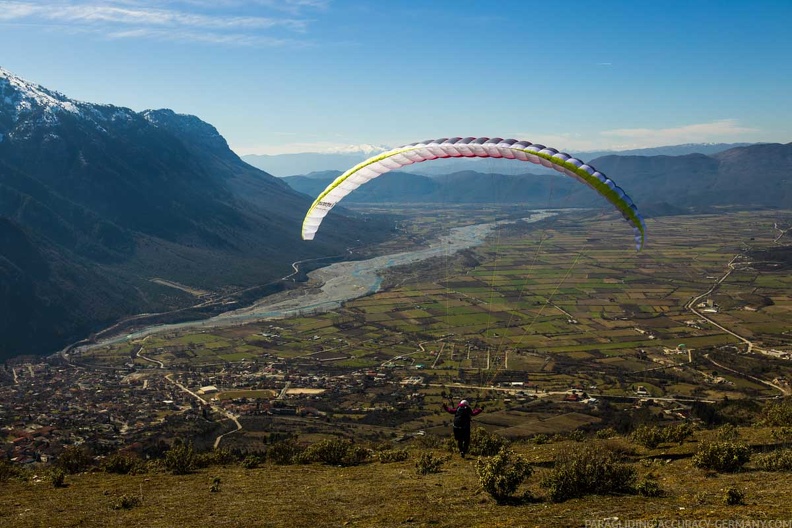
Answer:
(569, 292)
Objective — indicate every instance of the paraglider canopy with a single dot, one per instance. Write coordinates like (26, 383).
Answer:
(472, 147)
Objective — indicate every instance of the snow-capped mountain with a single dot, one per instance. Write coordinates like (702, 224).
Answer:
(26, 106)
(97, 199)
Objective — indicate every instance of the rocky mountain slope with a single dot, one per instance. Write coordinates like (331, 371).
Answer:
(96, 200)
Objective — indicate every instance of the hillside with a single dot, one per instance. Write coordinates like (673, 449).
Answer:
(394, 493)
(104, 199)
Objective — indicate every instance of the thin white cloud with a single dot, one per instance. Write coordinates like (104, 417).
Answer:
(323, 147)
(160, 20)
(721, 131)
(695, 133)
(236, 39)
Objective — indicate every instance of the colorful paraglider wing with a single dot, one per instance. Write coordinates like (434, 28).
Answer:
(468, 148)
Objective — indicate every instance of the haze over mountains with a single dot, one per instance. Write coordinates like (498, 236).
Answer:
(747, 176)
(96, 200)
(283, 165)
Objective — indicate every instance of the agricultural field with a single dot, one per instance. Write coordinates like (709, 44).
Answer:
(539, 310)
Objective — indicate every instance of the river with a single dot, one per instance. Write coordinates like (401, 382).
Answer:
(337, 283)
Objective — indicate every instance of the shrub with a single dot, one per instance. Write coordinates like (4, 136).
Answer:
(74, 459)
(649, 436)
(577, 435)
(649, 488)
(502, 474)
(678, 433)
(393, 455)
(541, 439)
(284, 452)
(215, 487)
(784, 434)
(215, 457)
(57, 477)
(126, 502)
(8, 470)
(180, 459)
(777, 413)
(733, 497)
(727, 433)
(618, 446)
(122, 464)
(724, 457)
(334, 452)
(428, 463)
(587, 470)
(484, 443)
(251, 462)
(780, 460)
(608, 432)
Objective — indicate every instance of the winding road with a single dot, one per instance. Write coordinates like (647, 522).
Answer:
(750, 345)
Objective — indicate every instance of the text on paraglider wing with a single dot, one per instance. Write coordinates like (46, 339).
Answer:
(327, 205)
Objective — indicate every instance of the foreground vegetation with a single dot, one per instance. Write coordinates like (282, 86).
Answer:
(723, 473)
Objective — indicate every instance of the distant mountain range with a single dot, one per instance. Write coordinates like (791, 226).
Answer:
(749, 176)
(283, 165)
(96, 200)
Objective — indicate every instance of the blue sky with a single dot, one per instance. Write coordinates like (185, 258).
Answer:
(310, 75)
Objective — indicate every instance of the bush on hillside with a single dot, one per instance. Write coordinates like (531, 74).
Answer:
(780, 460)
(727, 433)
(334, 452)
(501, 474)
(392, 455)
(74, 459)
(57, 477)
(649, 487)
(724, 457)
(428, 462)
(651, 436)
(591, 469)
(734, 497)
(284, 452)
(251, 462)
(215, 457)
(776, 413)
(123, 464)
(8, 470)
(180, 459)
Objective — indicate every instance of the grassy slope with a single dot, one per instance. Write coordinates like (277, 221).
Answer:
(379, 495)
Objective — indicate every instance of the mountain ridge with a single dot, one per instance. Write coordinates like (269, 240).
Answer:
(748, 176)
(284, 165)
(109, 198)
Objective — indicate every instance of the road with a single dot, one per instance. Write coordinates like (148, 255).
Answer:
(691, 305)
(157, 362)
(781, 232)
(744, 375)
(215, 408)
(547, 394)
(750, 345)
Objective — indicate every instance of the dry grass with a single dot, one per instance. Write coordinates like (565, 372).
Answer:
(378, 495)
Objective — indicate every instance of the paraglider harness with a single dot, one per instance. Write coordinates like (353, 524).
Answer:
(462, 417)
